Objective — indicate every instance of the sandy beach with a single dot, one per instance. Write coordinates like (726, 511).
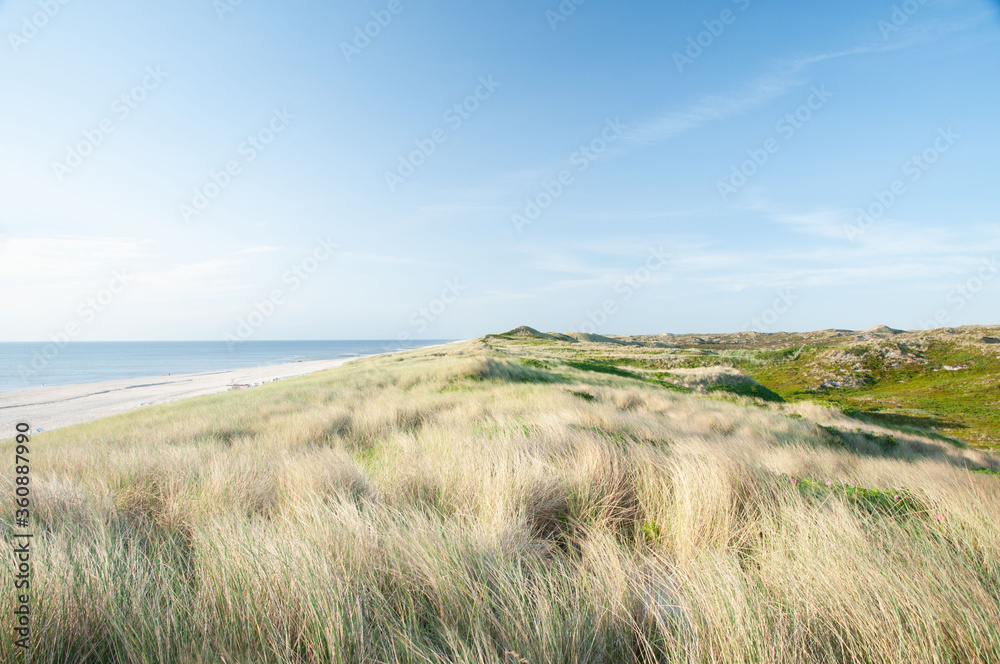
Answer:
(65, 405)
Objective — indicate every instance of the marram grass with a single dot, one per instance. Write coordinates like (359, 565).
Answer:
(461, 505)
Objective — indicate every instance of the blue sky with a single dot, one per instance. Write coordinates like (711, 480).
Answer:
(116, 120)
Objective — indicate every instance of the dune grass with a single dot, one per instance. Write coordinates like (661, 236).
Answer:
(940, 382)
(461, 505)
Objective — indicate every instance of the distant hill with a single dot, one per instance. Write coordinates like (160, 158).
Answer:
(523, 331)
(594, 338)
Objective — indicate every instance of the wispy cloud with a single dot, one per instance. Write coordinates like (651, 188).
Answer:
(67, 256)
(783, 77)
(780, 78)
(699, 268)
(920, 33)
(381, 259)
(827, 222)
(715, 107)
(220, 276)
(930, 257)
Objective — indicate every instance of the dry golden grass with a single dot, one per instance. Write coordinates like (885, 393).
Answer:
(458, 506)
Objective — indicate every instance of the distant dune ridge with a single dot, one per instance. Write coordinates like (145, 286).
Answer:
(540, 497)
(884, 372)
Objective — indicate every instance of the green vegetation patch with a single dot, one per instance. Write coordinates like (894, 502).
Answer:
(748, 389)
(662, 382)
(986, 471)
(601, 367)
(842, 438)
(887, 502)
(963, 403)
(606, 367)
(510, 372)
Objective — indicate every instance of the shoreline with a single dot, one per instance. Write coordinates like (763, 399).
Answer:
(58, 406)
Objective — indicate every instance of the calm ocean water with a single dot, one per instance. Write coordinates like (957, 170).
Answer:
(25, 365)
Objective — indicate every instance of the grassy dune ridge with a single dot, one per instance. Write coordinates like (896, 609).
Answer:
(486, 502)
(943, 380)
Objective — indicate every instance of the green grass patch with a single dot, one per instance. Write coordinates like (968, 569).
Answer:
(842, 439)
(887, 502)
(749, 389)
(605, 367)
(510, 372)
(986, 471)
(916, 398)
(668, 385)
(600, 367)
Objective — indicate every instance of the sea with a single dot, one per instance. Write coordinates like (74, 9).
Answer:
(27, 365)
